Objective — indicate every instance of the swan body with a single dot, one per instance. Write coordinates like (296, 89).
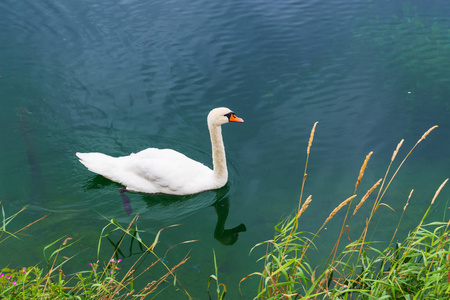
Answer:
(166, 171)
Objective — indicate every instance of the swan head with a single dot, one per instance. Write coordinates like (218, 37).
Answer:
(222, 115)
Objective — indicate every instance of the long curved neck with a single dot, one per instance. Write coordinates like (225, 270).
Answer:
(218, 154)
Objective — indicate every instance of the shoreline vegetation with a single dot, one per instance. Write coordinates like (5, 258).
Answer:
(415, 268)
(102, 280)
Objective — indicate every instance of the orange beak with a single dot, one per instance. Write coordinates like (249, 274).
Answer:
(233, 118)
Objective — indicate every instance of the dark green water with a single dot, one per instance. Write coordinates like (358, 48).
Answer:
(121, 76)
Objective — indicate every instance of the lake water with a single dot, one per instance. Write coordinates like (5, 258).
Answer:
(121, 76)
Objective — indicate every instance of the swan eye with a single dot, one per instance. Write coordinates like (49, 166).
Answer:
(230, 115)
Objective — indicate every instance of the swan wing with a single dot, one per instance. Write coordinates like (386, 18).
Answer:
(165, 171)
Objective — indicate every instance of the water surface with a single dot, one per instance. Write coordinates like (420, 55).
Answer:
(120, 76)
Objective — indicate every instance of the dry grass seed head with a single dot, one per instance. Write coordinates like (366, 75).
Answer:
(438, 191)
(304, 206)
(343, 203)
(311, 137)
(427, 133)
(364, 198)
(407, 201)
(396, 150)
(363, 168)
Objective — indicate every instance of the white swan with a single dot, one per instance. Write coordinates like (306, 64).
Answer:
(167, 171)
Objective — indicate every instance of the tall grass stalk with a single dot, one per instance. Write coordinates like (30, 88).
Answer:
(416, 268)
(221, 289)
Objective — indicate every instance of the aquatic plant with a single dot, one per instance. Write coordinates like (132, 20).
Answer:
(416, 268)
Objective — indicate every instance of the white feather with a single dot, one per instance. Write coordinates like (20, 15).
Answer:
(164, 170)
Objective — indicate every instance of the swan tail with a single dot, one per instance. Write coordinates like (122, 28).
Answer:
(98, 163)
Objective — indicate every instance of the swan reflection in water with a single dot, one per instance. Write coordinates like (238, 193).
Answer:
(221, 206)
(225, 236)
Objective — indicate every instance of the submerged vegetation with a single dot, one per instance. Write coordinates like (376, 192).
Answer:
(356, 268)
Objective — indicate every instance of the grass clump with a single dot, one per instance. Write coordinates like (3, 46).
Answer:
(416, 268)
(102, 280)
